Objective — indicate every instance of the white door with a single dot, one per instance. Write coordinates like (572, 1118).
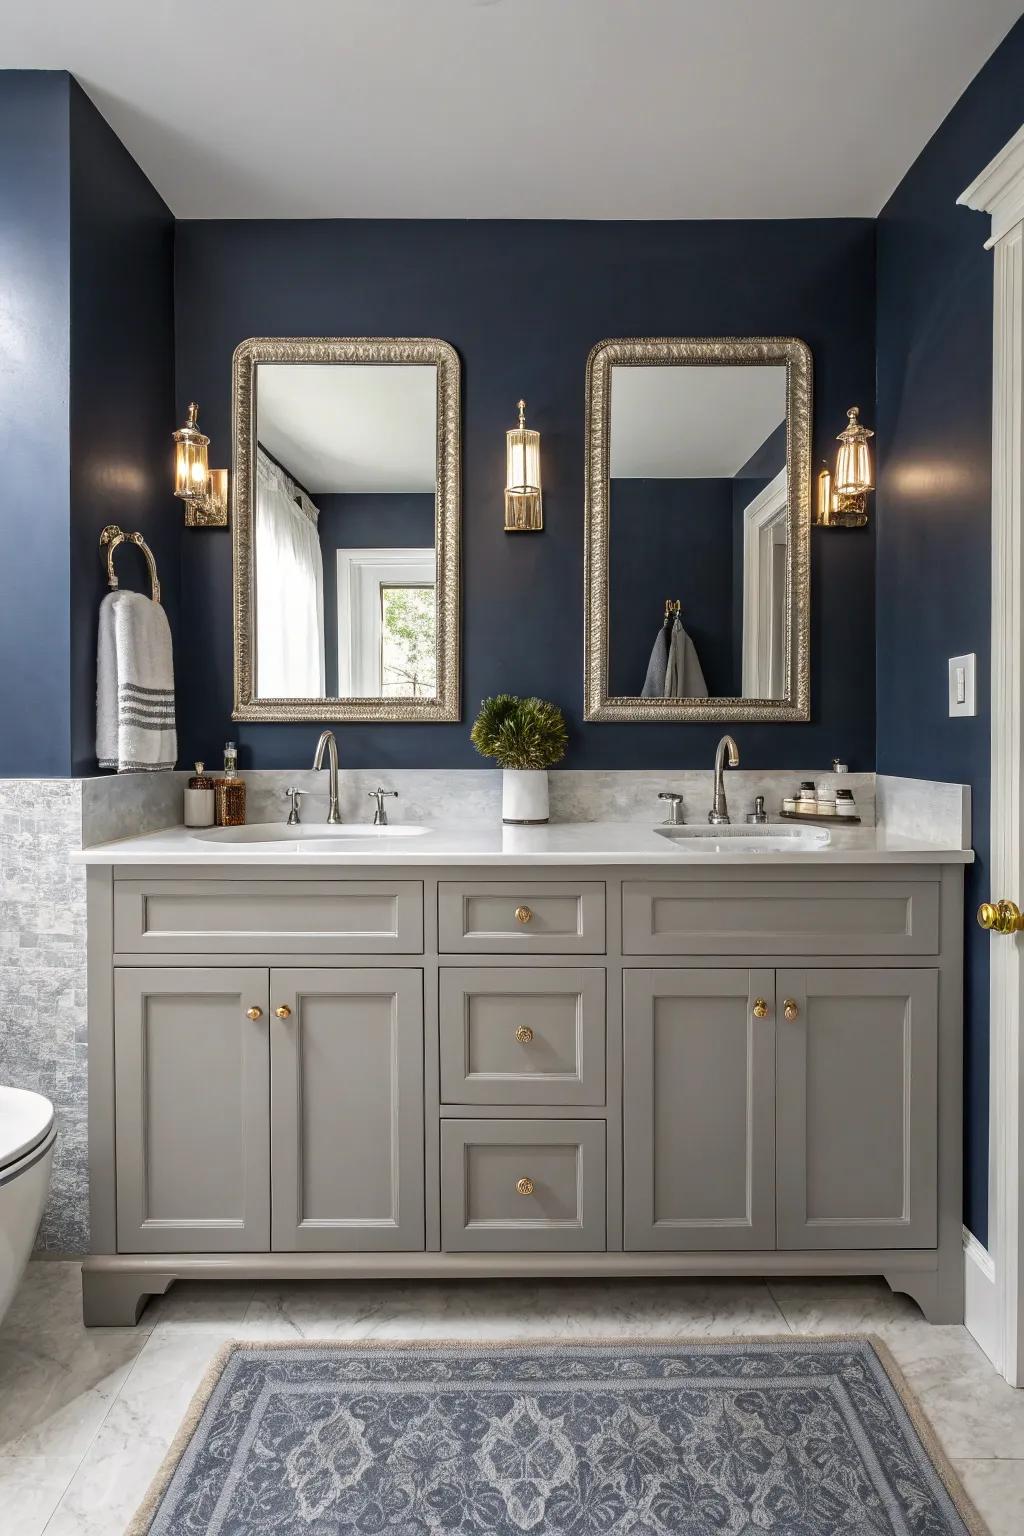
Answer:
(998, 1322)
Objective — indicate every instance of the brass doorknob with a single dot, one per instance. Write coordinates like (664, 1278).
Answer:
(254, 1013)
(760, 1008)
(524, 1187)
(523, 915)
(790, 1010)
(524, 1034)
(1000, 916)
(284, 1012)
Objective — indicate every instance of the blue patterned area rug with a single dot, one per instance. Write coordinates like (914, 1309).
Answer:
(747, 1437)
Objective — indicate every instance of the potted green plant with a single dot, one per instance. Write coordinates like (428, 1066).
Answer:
(525, 737)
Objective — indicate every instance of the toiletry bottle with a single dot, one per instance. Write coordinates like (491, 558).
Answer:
(199, 797)
(807, 798)
(230, 795)
(846, 805)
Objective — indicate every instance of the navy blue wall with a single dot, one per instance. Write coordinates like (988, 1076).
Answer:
(671, 538)
(523, 594)
(933, 506)
(34, 361)
(86, 405)
(122, 390)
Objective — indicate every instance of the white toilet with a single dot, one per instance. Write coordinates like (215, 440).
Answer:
(27, 1135)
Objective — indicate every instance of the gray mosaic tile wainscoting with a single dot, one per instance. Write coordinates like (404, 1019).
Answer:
(43, 1040)
(43, 982)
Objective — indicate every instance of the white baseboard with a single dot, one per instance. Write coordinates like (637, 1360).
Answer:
(980, 1313)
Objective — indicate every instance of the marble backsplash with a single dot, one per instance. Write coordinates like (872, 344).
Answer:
(431, 796)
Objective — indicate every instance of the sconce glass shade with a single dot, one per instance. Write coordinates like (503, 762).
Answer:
(854, 474)
(523, 506)
(823, 513)
(191, 464)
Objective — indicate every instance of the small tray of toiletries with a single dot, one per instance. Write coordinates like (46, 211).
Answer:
(830, 817)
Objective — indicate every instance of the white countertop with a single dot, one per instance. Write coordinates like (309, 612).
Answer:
(575, 843)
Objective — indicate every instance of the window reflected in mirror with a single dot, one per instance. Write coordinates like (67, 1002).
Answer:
(345, 565)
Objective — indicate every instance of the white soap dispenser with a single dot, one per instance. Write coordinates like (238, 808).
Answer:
(199, 799)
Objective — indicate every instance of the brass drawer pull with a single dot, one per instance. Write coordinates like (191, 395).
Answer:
(760, 1008)
(524, 1187)
(790, 1010)
(284, 1012)
(523, 915)
(254, 1013)
(524, 1034)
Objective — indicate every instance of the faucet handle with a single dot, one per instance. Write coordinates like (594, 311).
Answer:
(295, 796)
(380, 815)
(675, 814)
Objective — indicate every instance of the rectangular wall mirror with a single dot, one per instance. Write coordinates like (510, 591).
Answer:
(697, 529)
(346, 529)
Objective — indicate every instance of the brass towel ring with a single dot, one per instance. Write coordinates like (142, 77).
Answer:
(110, 538)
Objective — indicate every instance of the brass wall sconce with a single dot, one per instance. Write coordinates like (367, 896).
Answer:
(203, 490)
(843, 498)
(524, 512)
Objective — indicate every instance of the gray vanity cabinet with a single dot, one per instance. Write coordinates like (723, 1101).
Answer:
(465, 1071)
(857, 1108)
(192, 1080)
(347, 1109)
(698, 1109)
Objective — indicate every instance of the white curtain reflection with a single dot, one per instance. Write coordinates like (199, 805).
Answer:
(289, 588)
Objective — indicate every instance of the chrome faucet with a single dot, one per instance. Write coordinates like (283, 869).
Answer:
(380, 815)
(719, 812)
(327, 740)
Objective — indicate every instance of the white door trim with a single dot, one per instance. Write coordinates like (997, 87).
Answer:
(999, 191)
(761, 519)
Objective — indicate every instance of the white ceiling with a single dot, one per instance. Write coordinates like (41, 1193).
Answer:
(345, 429)
(592, 109)
(691, 423)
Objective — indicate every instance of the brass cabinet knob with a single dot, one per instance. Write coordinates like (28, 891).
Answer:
(760, 1008)
(1000, 916)
(790, 1009)
(523, 915)
(254, 1013)
(284, 1012)
(524, 1187)
(524, 1034)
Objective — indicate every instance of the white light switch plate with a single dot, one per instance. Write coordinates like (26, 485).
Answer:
(962, 692)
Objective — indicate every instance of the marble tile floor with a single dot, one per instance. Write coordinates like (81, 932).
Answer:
(86, 1415)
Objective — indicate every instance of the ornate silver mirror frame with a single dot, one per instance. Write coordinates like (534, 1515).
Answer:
(689, 352)
(445, 704)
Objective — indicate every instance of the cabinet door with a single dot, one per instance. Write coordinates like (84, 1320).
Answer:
(857, 1108)
(347, 1109)
(191, 1110)
(698, 1109)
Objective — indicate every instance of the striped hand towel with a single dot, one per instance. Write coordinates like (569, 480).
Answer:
(134, 686)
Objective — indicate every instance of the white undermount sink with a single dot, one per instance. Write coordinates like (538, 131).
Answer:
(763, 837)
(278, 832)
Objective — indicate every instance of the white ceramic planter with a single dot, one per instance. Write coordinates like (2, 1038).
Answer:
(524, 796)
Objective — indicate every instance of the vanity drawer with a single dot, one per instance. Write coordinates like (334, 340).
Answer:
(523, 1185)
(268, 916)
(522, 1036)
(521, 917)
(855, 917)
